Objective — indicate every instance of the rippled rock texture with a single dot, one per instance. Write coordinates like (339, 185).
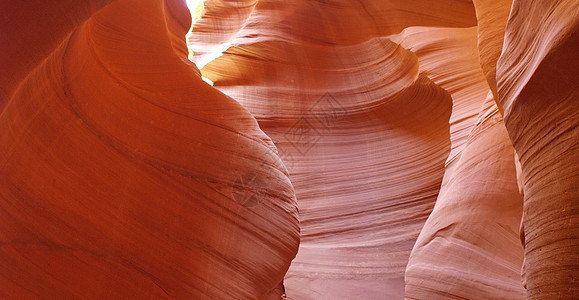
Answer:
(429, 146)
(537, 87)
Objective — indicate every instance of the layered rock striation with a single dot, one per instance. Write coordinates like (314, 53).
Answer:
(346, 150)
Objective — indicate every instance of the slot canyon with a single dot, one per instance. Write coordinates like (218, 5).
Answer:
(273, 149)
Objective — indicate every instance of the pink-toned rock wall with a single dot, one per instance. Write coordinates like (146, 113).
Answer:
(536, 91)
(537, 86)
(282, 59)
(361, 205)
(366, 143)
(470, 243)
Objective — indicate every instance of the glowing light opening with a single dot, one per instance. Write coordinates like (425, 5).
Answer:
(197, 8)
(207, 80)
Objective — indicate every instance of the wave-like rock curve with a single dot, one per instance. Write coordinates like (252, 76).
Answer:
(124, 175)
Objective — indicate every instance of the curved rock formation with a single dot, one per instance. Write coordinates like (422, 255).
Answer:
(537, 57)
(416, 136)
(27, 40)
(492, 18)
(124, 175)
(339, 104)
(537, 86)
(340, 146)
(470, 243)
(274, 49)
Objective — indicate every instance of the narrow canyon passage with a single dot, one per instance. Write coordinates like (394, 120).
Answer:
(367, 121)
(268, 149)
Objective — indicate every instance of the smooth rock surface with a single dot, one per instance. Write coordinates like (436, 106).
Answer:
(470, 243)
(407, 149)
(125, 176)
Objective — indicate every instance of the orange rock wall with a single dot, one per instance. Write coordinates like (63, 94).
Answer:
(348, 150)
(124, 175)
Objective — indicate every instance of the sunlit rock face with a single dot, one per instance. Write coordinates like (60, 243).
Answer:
(347, 150)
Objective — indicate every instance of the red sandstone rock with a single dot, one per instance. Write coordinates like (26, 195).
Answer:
(31, 30)
(124, 175)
